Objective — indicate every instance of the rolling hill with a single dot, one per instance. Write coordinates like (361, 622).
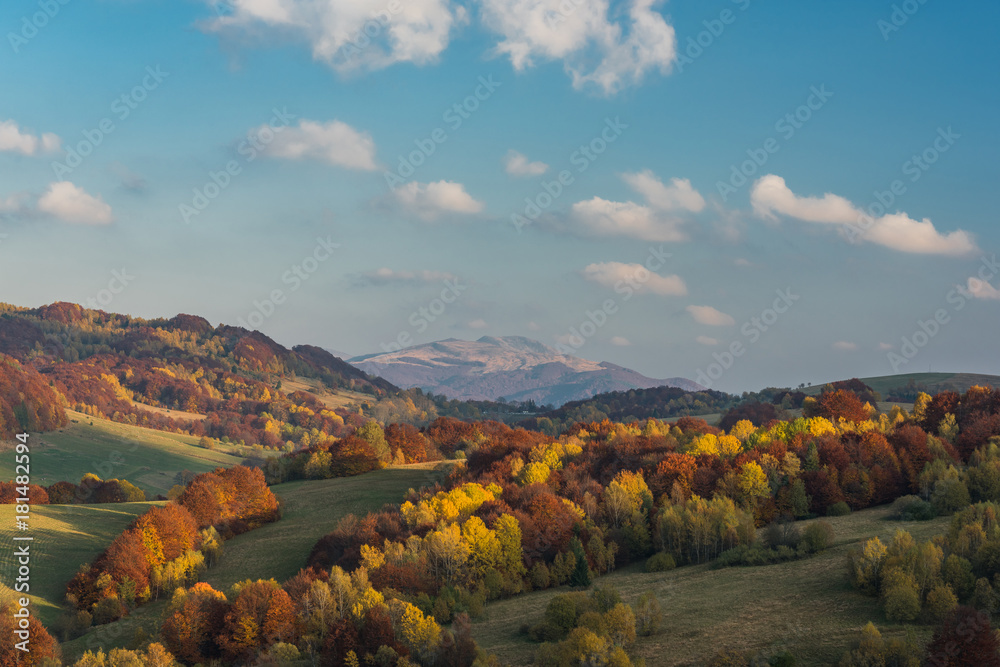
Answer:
(511, 367)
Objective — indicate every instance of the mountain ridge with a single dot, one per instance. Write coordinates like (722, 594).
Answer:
(505, 367)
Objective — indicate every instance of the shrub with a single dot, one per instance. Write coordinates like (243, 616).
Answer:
(838, 509)
(648, 614)
(660, 562)
(817, 536)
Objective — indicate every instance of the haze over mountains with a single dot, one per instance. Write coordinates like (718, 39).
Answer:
(510, 367)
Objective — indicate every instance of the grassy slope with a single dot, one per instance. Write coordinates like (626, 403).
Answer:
(147, 458)
(278, 550)
(807, 606)
(310, 511)
(66, 536)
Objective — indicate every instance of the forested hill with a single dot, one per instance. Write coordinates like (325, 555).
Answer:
(68, 332)
(633, 405)
(222, 382)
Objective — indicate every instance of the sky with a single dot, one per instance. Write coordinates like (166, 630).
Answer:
(743, 193)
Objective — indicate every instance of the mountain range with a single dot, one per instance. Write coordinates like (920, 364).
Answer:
(514, 368)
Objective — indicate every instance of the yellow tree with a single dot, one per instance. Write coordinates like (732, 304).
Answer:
(753, 483)
(485, 552)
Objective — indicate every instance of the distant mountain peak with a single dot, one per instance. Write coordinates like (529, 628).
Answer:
(511, 367)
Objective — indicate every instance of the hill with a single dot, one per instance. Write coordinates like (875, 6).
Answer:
(664, 403)
(512, 367)
(65, 537)
(147, 458)
(277, 550)
(807, 606)
(904, 387)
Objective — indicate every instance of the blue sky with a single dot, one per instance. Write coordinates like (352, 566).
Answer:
(874, 84)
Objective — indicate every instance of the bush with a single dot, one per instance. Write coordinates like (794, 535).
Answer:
(838, 509)
(648, 614)
(660, 562)
(783, 533)
(817, 536)
(912, 508)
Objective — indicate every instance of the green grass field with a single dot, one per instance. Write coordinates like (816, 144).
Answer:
(65, 537)
(147, 458)
(310, 510)
(806, 606)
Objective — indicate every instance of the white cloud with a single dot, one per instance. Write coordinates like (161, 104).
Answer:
(597, 50)
(770, 196)
(707, 340)
(385, 276)
(516, 164)
(600, 217)
(430, 201)
(70, 203)
(334, 142)
(742, 262)
(612, 274)
(845, 346)
(477, 324)
(533, 326)
(348, 35)
(678, 195)
(620, 341)
(710, 316)
(885, 347)
(980, 289)
(14, 139)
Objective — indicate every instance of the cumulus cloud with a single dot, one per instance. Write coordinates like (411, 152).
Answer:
(710, 316)
(679, 195)
(71, 203)
(16, 140)
(707, 340)
(620, 341)
(845, 346)
(347, 35)
(637, 276)
(660, 220)
(770, 197)
(516, 164)
(429, 201)
(600, 48)
(386, 276)
(600, 217)
(334, 142)
(980, 289)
